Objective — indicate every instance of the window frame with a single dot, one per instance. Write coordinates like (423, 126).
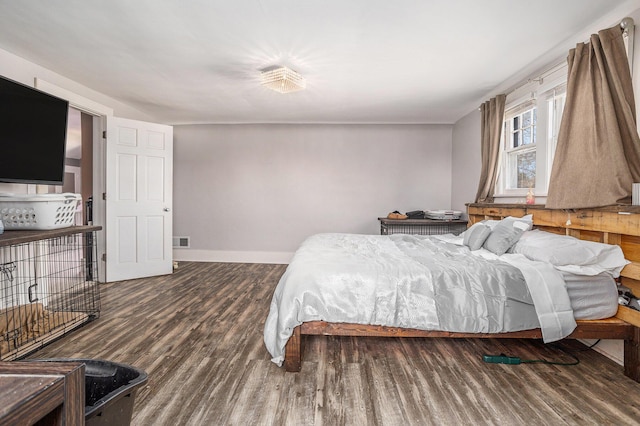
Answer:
(556, 99)
(511, 153)
(543, 94)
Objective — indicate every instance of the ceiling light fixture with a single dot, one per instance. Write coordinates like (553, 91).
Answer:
(283, 80)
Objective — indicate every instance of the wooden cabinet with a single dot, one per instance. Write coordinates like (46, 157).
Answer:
(43, 393)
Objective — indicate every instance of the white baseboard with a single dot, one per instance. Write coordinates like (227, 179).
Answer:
(189, 255)
(612, 349)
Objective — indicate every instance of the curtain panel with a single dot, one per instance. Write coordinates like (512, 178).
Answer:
(492, 116)
(597, 157)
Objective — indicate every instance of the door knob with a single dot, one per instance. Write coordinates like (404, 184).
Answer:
(167, 209)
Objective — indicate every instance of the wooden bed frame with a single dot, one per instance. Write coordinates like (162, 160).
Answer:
(612, 225)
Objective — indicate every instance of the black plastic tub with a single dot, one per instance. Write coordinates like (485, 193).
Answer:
(110, 390)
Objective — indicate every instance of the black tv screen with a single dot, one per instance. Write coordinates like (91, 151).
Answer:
(33, 135)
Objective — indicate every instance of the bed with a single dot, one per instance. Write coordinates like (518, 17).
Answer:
(540, 301)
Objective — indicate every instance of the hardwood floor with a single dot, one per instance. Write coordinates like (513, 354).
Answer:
(198, 334)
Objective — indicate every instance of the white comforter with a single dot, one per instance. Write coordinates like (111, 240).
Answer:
(412, 281)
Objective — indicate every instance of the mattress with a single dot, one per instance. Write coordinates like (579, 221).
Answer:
(592, 297)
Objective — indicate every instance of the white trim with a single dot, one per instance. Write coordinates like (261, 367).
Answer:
(611, 348)
(232, 256)
(520, 105)
(75, 100)
(99, 187)
(628, 35)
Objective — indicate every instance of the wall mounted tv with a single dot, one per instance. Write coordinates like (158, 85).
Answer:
(33, 135)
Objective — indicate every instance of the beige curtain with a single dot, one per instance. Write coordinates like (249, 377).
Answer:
(598, 153)
(492, 116)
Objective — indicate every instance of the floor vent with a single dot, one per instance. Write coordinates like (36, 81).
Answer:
(181, 242)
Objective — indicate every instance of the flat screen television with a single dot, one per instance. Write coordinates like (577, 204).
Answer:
(33, 135)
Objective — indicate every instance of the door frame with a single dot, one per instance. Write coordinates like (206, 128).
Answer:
(99, 113)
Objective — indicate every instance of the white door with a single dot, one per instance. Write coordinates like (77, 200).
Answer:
(138, 182)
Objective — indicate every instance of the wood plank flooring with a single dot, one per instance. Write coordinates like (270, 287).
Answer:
(198, 334)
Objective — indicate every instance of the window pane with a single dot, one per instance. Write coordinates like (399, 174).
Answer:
(526, 174)
(516, 139)
(526, 119)
(526, 136)
(535, 115)
(516, 123)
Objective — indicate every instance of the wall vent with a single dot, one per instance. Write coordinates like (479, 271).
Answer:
(181, 242)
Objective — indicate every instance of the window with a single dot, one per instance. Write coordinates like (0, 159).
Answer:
(529, 136)
(520, 147)
(533, 113)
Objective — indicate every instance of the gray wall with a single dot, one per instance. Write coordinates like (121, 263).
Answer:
(254, 192)
(465, 158)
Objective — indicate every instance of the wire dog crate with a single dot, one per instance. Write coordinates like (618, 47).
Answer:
(48, 287)
(421, 226)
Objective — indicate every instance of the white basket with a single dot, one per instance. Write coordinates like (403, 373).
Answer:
(41, 211)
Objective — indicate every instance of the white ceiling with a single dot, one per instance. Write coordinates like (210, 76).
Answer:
(365, 61)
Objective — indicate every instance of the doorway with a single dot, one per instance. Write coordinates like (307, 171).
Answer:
(99, 116)
(78, 173)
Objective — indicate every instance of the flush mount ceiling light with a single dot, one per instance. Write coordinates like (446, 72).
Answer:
(283, 80)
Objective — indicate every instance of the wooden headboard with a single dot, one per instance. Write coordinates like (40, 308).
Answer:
(618, 225)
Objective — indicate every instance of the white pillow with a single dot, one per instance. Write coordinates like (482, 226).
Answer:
(571, 254)
(476, 235)
(467, 233)
(504, 235)
(528, 219)
(490, 223)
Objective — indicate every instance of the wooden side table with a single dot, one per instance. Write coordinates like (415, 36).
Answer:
(46, 393)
